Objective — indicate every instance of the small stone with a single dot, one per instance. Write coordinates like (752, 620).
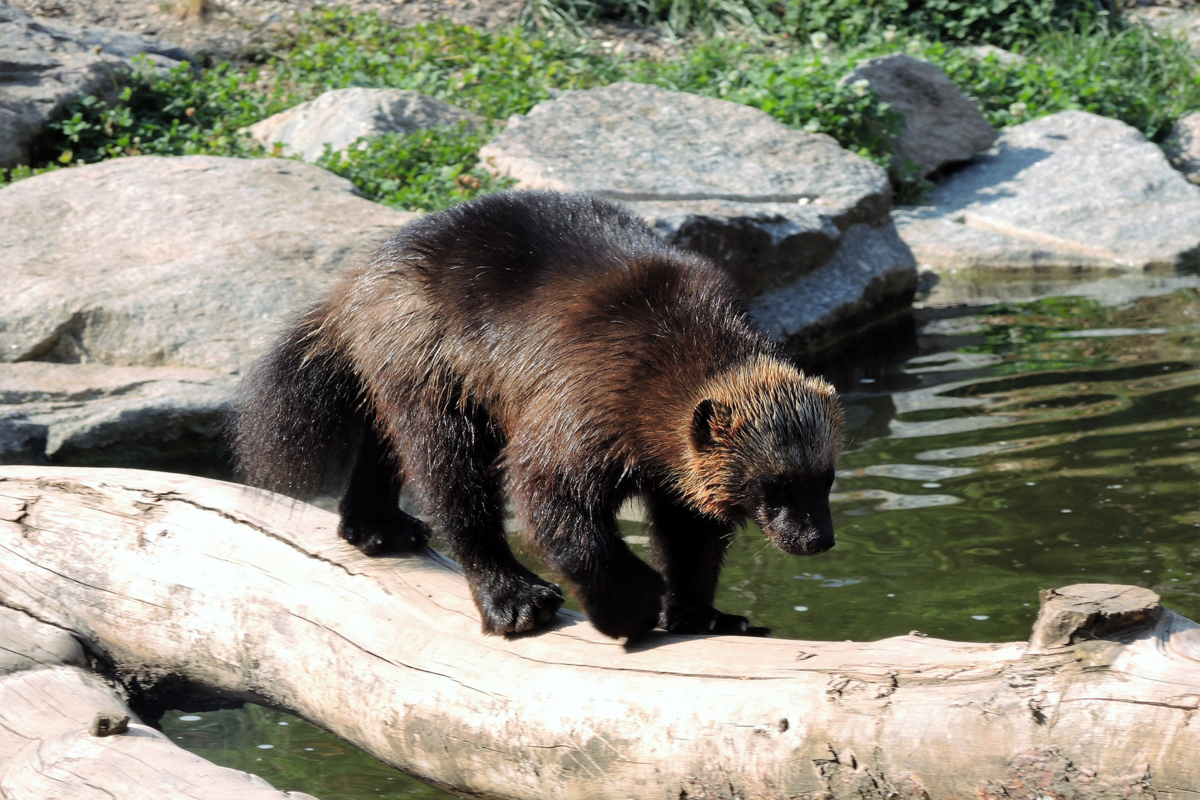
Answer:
(941, 124)
(109, 723)
(340, 117)
(981, 52)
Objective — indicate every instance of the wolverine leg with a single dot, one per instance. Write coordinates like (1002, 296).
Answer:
(621, 594)
(689, 549)
(370, 507)
(451, 467)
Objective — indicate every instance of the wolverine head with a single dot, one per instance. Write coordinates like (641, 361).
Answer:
(764, 442)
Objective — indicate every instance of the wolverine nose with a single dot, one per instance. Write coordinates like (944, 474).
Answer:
(800, 533)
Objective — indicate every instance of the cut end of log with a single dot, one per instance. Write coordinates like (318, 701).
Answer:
(1092, 611)
(109, 723)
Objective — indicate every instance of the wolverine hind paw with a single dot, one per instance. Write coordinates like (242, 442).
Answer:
(397, 533)
(700, 620)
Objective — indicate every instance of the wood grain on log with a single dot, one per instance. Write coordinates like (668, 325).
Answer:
(48, 704)
(172, 578)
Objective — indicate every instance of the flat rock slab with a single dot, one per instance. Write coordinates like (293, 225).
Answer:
(941, 124)
(45, 64)
(340, 117)
(91, 412)
(191, 261)
(1072, 192)
(769, 203)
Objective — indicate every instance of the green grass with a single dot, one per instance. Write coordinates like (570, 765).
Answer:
(1002, 22)
(1089, 62)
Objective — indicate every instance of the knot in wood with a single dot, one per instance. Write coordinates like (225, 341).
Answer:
(109, 723)
(1092, 611)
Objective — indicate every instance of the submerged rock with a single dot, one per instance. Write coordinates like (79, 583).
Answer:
(340, 117)
(941, 124)
(771, 204)
(45, 64)
(1071, 192)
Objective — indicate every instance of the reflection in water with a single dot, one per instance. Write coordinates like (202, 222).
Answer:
(1013, 449)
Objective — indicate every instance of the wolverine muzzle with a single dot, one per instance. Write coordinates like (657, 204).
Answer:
(799, 531)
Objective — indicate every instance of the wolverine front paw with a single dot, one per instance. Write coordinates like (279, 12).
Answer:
(373, 535)
(687, 618)
(628, 603)
(514, 603)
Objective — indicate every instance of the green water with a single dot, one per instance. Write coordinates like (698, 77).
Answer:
(991, 453)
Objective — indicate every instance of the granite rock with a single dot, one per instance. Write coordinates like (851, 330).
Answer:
(190, 261)
(1183, 146)
(771, 204)
(116, 415)
(1072, 192)
(45, 64)
(941, 124)
(340, 117)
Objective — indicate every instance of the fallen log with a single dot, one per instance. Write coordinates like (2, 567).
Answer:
(66, 735)
(172, 581)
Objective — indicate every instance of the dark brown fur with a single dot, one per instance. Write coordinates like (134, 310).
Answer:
(550, 347)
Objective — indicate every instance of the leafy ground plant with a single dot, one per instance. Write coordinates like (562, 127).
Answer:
(422, 171)
(176, 112)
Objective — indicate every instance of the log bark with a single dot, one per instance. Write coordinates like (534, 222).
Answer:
(170, 579)
(65, 734)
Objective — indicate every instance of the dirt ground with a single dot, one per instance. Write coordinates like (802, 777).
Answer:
(238, 29)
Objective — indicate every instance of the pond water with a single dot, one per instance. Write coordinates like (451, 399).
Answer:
(991, 452)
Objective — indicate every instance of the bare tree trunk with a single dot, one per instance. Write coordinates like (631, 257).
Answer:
(172, 581)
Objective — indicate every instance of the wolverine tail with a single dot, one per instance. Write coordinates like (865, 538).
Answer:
(298, 414)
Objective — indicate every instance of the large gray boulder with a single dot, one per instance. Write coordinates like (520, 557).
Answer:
(941, 124)
(113, 415)
(1072, 192)
(1183, 146)
(190, 261)
(773, 205)
(45, 64)
(340, 117)
(152, 280)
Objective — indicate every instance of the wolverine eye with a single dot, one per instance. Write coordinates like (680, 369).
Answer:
(774, 488)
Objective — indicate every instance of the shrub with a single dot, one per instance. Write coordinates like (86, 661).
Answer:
(1001, 22)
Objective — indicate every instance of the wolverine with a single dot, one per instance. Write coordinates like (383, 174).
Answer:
(551, 349)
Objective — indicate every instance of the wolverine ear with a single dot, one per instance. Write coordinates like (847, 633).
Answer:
(710, 424)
